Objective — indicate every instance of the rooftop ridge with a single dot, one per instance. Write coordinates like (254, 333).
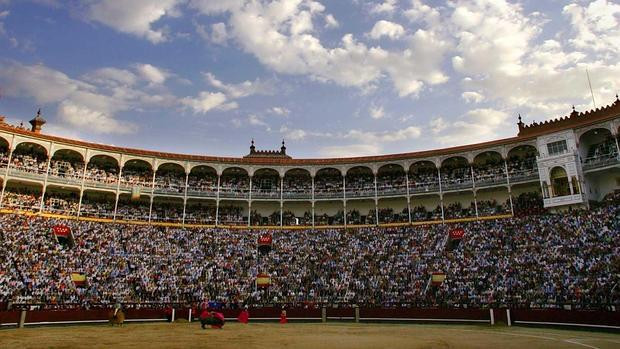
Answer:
(574, 119)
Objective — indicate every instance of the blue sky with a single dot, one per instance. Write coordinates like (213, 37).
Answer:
(337, 78)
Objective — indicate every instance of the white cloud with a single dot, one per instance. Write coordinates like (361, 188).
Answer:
(403, 134)
(472, 97)
(279, 111)
(281, 36)
(351, 150)
(152, 73)
(219, 34)
(109, 76)
(597, 26)
(87, 119)
(478, 125)
(386, 28)
(242, 89)
(376, 112)
(387, 6)
(207, 101)
(331, 22)
(100, 94)
(135, 17)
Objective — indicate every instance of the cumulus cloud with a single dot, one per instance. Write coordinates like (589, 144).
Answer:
(387, 6)
(376, 112)
(596, 26)
(152, 73)
(135, 17)
(478, 125)
(281, 35)
(92, 120)
(386, 28)
(242, 89)
(350, 150)
(99, 95)
(207, 101)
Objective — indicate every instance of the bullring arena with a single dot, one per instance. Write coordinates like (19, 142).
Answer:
(511, 243)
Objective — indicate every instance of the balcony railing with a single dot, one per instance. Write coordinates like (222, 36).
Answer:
(601, 161)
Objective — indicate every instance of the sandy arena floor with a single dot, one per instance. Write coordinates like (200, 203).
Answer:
(331, 335)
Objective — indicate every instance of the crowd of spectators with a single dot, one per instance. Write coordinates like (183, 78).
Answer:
(546, 260)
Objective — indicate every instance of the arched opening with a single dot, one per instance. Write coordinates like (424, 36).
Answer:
(423, 177)
(425, 208)
(98, 204)
(102, 170)
(459, 205)
(61, 200)
(4, 152)
(200, 211)
(329, 212)
(360, 212)
(391, 180)
(202, 181)
(30, 158)
(360, 182)
(455, 174)
(233, 212)
(559, 182)
(67, 164)
(393, 210)
(597, 148)
(235, 183)
(137, 173)
(328, 183)
(493, 202)
(527, 199)
(131, 208)
(170, 179)
(266, 184)
(522, 165)
(22, 195)
(297, 213)
(297, 184)
(167, 209)
(265, 213)
(489, 169)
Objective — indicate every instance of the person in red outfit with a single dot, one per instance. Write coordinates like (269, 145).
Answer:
(244, 316)
(283, 319)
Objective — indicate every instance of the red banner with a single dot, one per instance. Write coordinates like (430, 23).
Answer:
(61, 230)
(265, 240)
(457, 234)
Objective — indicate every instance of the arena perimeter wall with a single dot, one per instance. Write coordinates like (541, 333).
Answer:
(609, 320)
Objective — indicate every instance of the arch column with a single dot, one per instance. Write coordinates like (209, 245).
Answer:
(217, 201)
(250, 204)
(152, 193)
(312, 176)
(443, 216)
(47, 172)
(6, 172)
(512, 210)
(118, 185)
(82, 186)
(185, 197)
(344, 198)
(473, 186)
(281, 201)
(408, 197)
(374, 172)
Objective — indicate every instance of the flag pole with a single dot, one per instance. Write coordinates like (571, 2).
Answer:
(590, 84)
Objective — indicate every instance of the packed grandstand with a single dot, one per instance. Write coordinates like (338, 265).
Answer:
(527, 221)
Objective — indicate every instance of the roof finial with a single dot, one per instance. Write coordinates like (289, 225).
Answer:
(573, 107)
(520, 118)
